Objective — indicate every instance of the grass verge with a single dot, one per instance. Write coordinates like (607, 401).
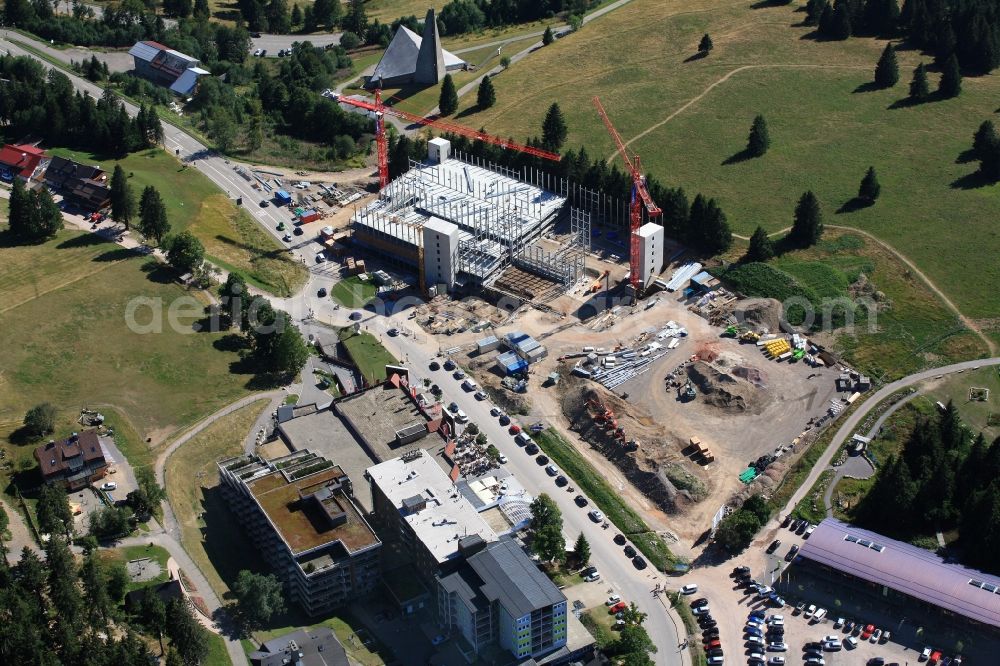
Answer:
(209, 533)
(595, 622)
(813, 507)
(353, 292)
(129, 553)
(677, 602)
(367, 353)
(589, 480)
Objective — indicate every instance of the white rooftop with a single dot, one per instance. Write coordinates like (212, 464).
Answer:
(448, 516)
(649, 229)
(441, 226)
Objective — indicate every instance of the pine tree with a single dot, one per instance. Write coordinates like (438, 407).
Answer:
(824, 25)
(487, 95)
(759, 140)
(870, 189)
(761, 248)
(122, 198)
(20, 210)
(296, 15)
(581, 550)
(951, 79)
(814, 10)
(841, 25)
(887, 69)
(919, 88)
(201, 10)
(448, 99)
(554, 128)
(709, 229)
(153, 215)
(547, 36)
(326, 12)
(48, 218)
(705, 45)
(808, 225)
(985, 139)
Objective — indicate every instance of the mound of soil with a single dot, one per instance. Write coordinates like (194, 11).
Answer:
(649, 469)
(759, 314)
(726, 391)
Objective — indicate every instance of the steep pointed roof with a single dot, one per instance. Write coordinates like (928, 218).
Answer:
(407, 60)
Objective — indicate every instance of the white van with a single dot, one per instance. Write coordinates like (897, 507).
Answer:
(461, 417)
(819, 616)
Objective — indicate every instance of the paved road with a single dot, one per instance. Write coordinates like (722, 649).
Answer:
(616, 569)
(274, 43)
(850, 425)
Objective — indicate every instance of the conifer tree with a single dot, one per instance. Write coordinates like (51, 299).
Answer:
(547, 36)
(870, 188)
(951, 79)
(761, 248)
(887, 69)
(554, 128)
(487, 95)
(705, 45)
(808, 225)
(760, 139)
(448, 100)
(919, 88)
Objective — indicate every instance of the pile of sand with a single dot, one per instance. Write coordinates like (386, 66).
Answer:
(725, 390)
(759, 314)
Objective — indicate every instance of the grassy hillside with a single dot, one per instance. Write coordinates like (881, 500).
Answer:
(63, 313)
(232, 239)
(691, 116)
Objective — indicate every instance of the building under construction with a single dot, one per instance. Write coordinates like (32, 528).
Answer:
(462, 222)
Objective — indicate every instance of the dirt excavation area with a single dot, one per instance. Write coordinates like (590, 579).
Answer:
(676, 436)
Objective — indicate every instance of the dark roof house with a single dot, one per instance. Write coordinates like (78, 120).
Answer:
(306, 647)
(85, 186)
(907, 569)
(61, 170)
(75, 461)
(166, 67)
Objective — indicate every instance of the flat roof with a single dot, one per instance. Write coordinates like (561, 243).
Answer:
(298, 522)
(441, 226)
(905, 568)
(377, 414)
(649, 229)
(448, 515)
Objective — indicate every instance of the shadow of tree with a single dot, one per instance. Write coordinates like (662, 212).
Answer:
(83, 240)
(117, 254)
(854, 204)
(966, 156)
(870, 86)
(158, 273)
(736, 158)
(700, 55)
(972, 181)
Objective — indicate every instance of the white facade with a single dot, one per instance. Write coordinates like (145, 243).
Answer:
(438, 150)
(650, 252)
(440, 252)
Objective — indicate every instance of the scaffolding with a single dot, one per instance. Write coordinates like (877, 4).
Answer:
(566, 265)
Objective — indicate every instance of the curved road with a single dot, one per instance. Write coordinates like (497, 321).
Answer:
(848, 427)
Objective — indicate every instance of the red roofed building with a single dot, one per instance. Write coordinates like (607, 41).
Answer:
(74, 462)
(23, 161)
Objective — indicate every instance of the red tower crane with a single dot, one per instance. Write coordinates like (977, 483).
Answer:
(380, 110)
(640, 198)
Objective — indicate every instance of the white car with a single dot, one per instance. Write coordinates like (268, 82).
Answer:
(502, 459)
(776, 620)
(756, 640)
(110, 485)
(776, 660)
(810, 610)
(926, 654)
(777, 646)
(615, 598)
(690, 588)
(592, 578)
(596, 515)
(461, 417)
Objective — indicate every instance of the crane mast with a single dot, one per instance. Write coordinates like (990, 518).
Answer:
(640, 198)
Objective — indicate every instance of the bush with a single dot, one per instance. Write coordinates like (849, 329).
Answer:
(350, 41)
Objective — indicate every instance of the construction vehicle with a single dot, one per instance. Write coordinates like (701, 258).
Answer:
(596, 287)
(689, 392)
(731, 331)
(749, 336)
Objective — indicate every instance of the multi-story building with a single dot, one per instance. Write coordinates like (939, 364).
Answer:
(74, 462)
(498, 595)
(417, 505)
(300, 513)
(166, 67)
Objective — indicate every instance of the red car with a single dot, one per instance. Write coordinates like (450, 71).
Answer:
(620, 606)
(935, 657)
(514, 429)
(714, 643)
(869, 630)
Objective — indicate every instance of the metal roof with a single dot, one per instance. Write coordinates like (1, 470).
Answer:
(511, 578)
(400, 57)
(908, 569)
(145, 50)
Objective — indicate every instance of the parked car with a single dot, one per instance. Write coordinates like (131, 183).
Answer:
(690, 588)
(791, 553)
(531, 449)
(851, 642)
(776, 620)
(809, 530)
(551, 470)
(596, 515)
(503, 459)
(562, 481)
(630, 552)
(592, 577)
(298, 231)
(542, 460)
(810, 610)
(620, 606)
(751, 630)
(876, 661)
(619, 539)
(694, 604)
(612, 600)
(110, 485)
(774, 546)
(776, 660)
(754, 640)
(876, 635)
(741, 571)
(758, 613)
(580, 500)
(777, 646)
(868, 631)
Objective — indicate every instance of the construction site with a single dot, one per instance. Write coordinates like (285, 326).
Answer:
(608, 332)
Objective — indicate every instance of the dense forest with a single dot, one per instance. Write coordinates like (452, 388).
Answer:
(967, 29)
(460, 16)
(62, 610)
(945, 478)
(42, 103)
